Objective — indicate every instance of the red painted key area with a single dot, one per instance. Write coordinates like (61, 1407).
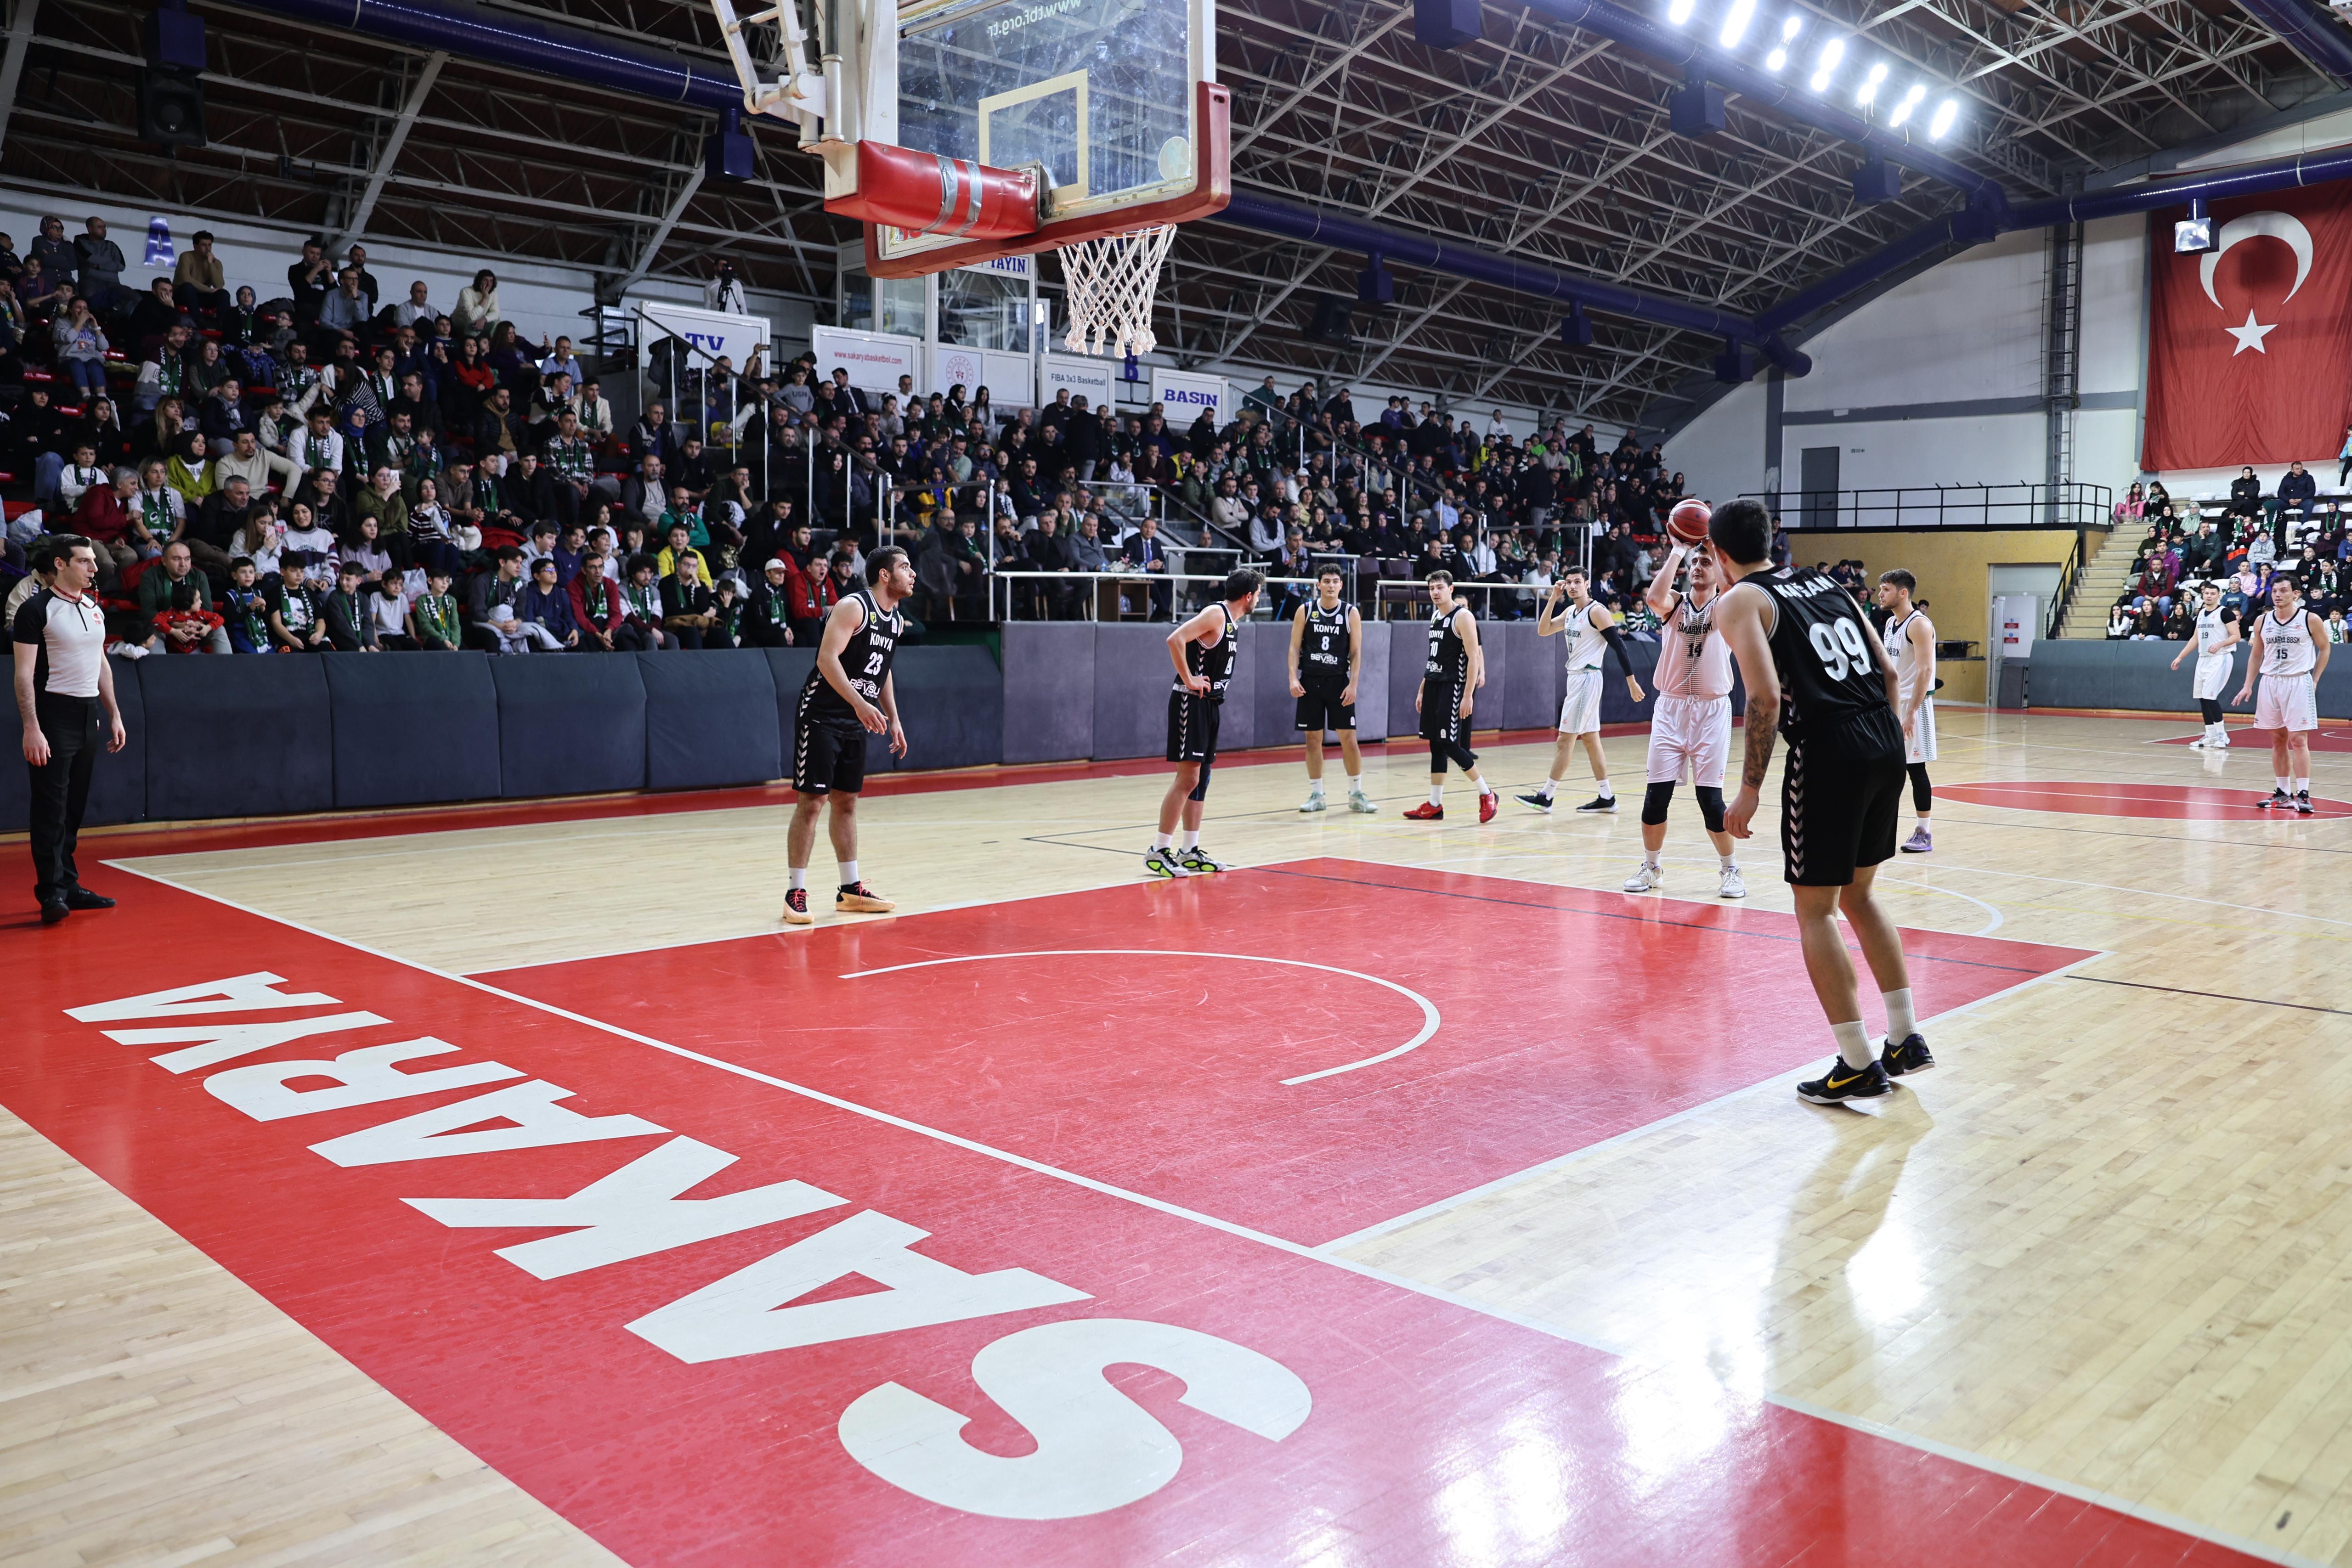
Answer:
(1165, 1073)
(1425, 1434)
(2171, 802)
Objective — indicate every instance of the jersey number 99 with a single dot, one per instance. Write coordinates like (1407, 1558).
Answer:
(1839, 647)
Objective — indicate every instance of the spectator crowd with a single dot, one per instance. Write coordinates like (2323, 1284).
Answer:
(2242, 544)
(331, 468)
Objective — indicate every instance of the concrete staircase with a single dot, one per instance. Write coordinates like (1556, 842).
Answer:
(2102, 578)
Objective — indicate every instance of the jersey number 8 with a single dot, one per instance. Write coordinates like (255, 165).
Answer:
(1839, 647)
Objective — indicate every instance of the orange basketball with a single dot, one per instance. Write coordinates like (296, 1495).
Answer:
(1687, 521)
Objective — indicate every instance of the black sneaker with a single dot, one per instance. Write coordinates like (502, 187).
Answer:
(53, 910)
(1536, 798)
(80, 897)
(1599, 803)
(1842, 1083)
(2280, 800)
(2302, 806)
(1911, 1056)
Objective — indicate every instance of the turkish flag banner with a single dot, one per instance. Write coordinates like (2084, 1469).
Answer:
(2250, 343)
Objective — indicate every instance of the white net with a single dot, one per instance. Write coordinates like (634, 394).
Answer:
(1112, 282)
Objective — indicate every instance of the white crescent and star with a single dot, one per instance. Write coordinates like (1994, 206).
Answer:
(2257, 226)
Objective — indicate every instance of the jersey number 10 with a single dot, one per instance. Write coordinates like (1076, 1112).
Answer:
(1839, 647)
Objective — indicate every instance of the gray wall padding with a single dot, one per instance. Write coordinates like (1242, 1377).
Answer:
(569, 724)
(2064, 673)
(1531, 691)
(248, 735)
(117, 782)
(1372, 683)
(412, 728)
(1266, 649)
(951, 701)
(1616, 706)
(1130, 699)
(1050, 699)
(1408, 656)
(712, 718)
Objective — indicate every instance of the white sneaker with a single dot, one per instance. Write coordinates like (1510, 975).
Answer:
(1360, 803)
(1645, 878)
(1731, 885)
(1314, 802)
(2200, 743)
(2222, 741)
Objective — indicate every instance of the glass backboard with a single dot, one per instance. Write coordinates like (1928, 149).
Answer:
(1103, 95)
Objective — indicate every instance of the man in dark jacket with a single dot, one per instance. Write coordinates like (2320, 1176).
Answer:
(2295, 488)
(766, 618)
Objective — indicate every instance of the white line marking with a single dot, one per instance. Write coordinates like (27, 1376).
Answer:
(1985, 930)
(1429, 1019)
(1504, 1183)
(1296, 1249)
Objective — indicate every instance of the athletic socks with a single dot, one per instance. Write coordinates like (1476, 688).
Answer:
(800, 877)
(1650, 859)
(1437, 795)
(1854, 1044)
(1902, 1023)
(2302, 787)
(1161, 841)
(1605, 791)
(849, 873)
(1731, 864)
(2285, 786)
(1550, 788)
(1485, 788)
(1188, 840)
(1315, 789)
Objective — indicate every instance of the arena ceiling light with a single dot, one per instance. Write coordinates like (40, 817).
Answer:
(1790, 28)
(1910, 102)
(1870, 84)
(1825, 64)
(1945, 112)
(1735, 23)
(1679, 11)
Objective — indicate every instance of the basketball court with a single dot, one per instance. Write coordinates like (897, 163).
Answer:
(1406, 1194)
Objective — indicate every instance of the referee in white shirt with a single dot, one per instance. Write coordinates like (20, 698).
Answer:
(63, 682)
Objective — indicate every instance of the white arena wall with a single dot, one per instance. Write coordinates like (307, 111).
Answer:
(1938, 381)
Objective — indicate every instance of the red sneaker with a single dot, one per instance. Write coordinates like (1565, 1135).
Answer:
(1487, 804)
(1425, 812)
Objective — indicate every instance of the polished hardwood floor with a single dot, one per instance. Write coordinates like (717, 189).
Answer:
(2106, 1246)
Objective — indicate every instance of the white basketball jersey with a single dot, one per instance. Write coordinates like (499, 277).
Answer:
(1896, 635)
(2286, 644)
(2211, 630)
(1693, 662)
(1585, 645)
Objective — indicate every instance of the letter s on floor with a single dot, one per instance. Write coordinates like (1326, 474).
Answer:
(1097, 1450)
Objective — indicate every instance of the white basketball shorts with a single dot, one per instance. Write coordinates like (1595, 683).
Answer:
(1690, 740)
(2213, 672)
(2289, 703)
(1579, 710)
(1919, 746)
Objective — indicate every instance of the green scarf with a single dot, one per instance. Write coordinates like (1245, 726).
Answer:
(437, 614)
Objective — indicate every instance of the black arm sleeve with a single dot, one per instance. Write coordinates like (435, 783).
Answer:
(1616, 641)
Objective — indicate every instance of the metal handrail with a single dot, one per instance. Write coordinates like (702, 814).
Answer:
(2009, 506)
(1153, 579)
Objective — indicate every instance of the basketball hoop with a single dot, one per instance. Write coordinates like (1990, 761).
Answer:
(1112, 281)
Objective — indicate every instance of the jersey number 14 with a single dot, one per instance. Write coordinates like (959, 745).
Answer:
(1839, 647)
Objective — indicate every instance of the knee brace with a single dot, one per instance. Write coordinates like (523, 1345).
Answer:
(1654, 802)
(2210, 708)
(1710, 805)
(1201, 791)
(1921, 794)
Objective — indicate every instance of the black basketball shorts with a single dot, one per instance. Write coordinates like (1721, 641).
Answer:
(1837, 815)
(828, 756)
(1321, 709)
(1191, 727)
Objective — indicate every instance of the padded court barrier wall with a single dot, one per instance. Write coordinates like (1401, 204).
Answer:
(412, 731)
(1049, 692)
(569, 725)
(951, 701)
(2064, 673)
(118, 784)
(711, 719)
(251, 737)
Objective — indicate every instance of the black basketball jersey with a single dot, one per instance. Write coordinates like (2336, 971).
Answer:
(865, 659)
(1449, 660)
(1323, 648)
(1831, 691)
(1217, 663)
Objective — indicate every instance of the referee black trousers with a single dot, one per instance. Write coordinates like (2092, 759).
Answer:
(61, 789)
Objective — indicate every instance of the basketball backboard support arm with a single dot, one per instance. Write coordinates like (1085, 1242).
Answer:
(851, 96)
